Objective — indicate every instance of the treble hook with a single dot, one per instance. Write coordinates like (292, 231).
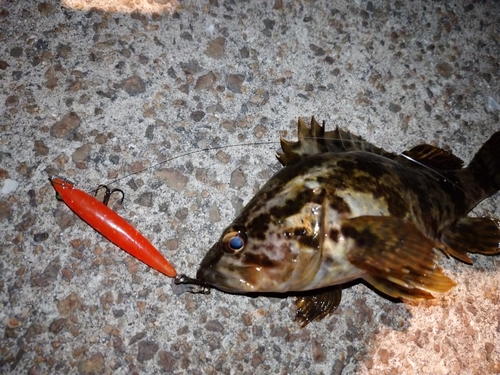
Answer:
(108, 193)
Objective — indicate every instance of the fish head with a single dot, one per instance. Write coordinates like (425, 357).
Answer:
(240, 263)
(273, 246)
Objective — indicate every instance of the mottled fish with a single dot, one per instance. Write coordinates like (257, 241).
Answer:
(343, 209)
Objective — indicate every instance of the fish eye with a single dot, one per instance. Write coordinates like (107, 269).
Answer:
(234, 241)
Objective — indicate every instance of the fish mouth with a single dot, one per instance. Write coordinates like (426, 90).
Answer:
(222, 281)
(207, 273)
(212, 272)
(214, 278)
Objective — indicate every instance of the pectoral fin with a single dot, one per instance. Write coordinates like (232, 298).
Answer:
(397, 258)
(317, 306)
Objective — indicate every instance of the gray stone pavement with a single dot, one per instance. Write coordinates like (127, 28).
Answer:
(94, 95)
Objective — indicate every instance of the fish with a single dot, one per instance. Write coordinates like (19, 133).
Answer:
(343, 209)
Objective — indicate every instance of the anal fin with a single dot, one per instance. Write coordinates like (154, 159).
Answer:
(317, 306)
(472, 235)
(397, 258)
(396, 290)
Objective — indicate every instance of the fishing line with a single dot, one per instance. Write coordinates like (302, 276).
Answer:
(432, 170)
(260, 143)
(213, 148)
(207, 149)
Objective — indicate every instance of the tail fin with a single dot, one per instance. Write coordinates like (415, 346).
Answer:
(486, 165)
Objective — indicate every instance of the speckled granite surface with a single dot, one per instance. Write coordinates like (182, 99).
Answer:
(93, 96)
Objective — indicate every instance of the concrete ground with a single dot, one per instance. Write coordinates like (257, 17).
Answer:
(94, 95)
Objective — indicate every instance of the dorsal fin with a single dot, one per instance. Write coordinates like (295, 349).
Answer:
(314, 140)
(434, 157)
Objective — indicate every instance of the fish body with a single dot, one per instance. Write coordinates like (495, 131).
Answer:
(342, 209)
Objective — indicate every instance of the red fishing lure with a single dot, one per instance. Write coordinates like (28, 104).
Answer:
(111, 225)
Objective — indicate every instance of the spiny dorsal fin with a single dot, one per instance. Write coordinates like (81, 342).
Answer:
(433, 157)
(311, 141)
(343, 141)
(394, 253)
(314, 140)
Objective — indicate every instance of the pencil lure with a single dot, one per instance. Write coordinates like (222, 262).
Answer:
(111, 225)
